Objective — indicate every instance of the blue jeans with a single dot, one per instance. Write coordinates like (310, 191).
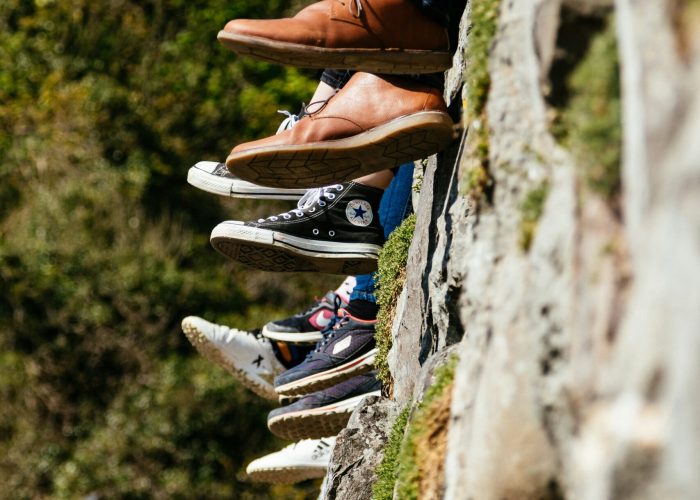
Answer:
(392, 211)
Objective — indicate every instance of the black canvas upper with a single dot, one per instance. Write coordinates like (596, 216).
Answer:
(345, 212)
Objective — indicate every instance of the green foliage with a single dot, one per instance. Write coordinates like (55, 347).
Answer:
(104, 248)
(590, 125)
(391, 276)
(530, 212)
(383, 488)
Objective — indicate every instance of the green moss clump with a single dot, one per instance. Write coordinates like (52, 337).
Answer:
(590, 125)
(383, 489)
(483, 25)
(531, 211)
(391, 276)
(423, 428)
(484, 19)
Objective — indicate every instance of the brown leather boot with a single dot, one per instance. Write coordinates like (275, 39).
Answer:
(373, 123)
(378, 36)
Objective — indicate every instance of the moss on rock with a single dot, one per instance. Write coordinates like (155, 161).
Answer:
(531, 211)
(590, 124)
(391, 276)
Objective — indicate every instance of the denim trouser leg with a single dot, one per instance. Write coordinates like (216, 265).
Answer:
(392, 211)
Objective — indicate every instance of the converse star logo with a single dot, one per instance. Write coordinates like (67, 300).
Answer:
(359, 213)
(342, 345)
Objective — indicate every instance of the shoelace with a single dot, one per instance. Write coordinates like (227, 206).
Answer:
(309, 109)
(358, 7)
(307, 202)
(288, 122)
(313, 306)
(329, 332)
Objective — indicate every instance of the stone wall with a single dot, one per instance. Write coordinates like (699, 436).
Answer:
(578, 329)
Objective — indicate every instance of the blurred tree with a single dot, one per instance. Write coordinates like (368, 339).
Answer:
(103, 248)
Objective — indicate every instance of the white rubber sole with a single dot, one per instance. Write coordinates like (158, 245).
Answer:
(293, 337)
(329, 378)
(279, 252)
(238, 188)
(206, 348)
(316, 423)
(286, 475)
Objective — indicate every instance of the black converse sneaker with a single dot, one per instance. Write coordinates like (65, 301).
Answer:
(215, 178)
(334, 229)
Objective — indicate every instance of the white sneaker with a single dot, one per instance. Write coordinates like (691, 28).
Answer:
(247, 356)
(214, 177)
(307, 459)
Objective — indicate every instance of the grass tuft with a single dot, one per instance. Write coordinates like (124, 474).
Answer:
(391, 276)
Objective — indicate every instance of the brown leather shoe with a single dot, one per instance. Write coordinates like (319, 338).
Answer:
(373, 123)
(378, 36)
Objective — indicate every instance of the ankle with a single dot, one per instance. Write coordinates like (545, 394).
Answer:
(363, 309)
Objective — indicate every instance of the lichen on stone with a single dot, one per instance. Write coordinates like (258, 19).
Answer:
(531, 211)
(391, 276)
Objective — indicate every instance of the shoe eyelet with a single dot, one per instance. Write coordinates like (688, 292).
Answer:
(331, 233)
(322, 203)
(340, 187)
(286, 216)
(330, 196)
(274, 218)
(315, 231)
(312, 210)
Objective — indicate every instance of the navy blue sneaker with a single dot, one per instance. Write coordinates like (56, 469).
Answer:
(347, 349)
(323, 413)
(306, 327)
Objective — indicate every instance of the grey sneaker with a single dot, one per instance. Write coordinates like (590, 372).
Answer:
(323, 413)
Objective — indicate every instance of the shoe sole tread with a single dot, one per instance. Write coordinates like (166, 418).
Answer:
(389, 145)
(204, 346)
(386, 61)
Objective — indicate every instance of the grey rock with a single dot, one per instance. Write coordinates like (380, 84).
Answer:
(359, 449)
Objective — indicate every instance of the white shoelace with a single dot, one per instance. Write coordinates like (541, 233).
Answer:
(288, 122)
(307, 202)
(358, 6)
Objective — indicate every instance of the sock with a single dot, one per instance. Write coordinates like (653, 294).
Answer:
(289, 355)
(363, 309)
(345, 288)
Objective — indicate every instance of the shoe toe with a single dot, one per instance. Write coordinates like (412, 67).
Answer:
(194, 322)
(206, 166)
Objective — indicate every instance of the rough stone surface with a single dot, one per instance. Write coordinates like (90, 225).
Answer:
(579, 371)
(359, 450)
